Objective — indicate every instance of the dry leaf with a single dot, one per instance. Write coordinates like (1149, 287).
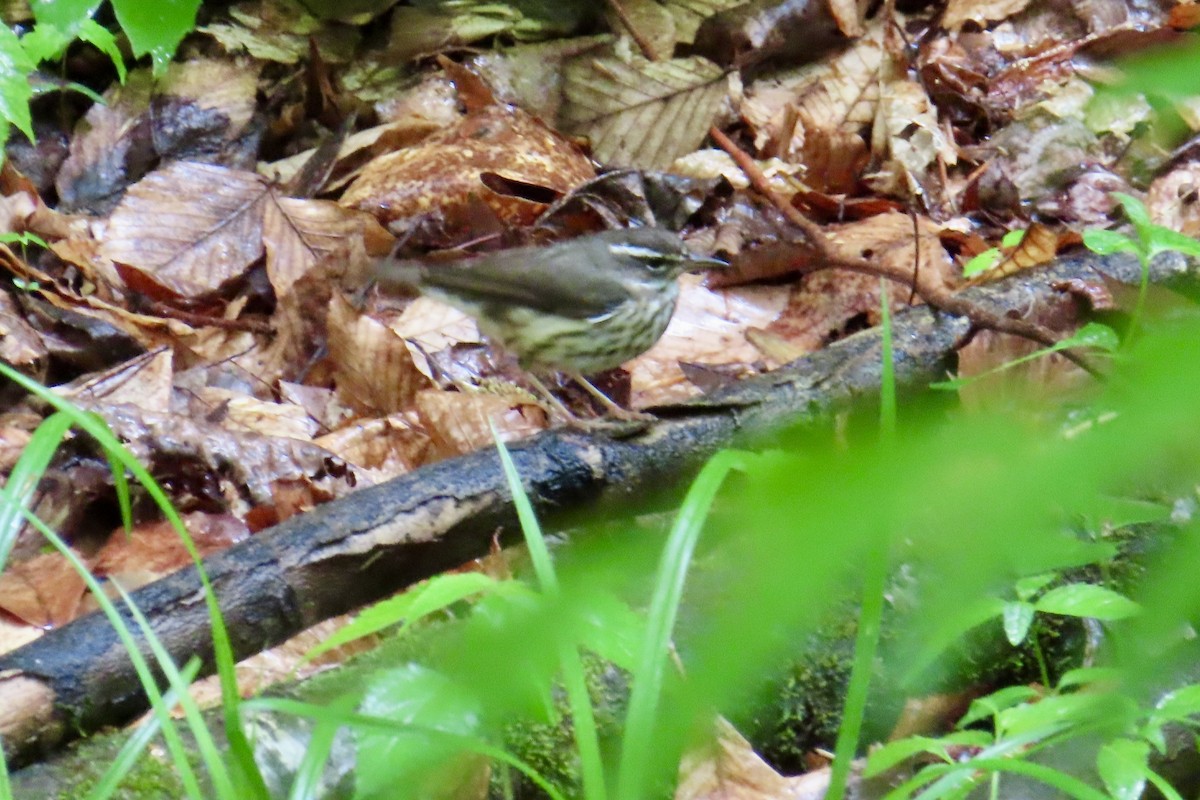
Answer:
(643, 113)
(1174, 200)
(442, 175)
(824, 302)
(21, 346)
(144, 381)
(381, 448)
(153, 550)
(459, 423)
(44, 591)
(189, 227)
(818, 115)
(729, 769)
(708, 328)
(959, 12)
(200, 111)
(372, 366)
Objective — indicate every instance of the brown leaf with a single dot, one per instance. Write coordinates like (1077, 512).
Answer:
(153, 550)
(729, 769)
(20, 344)
(199, 110)
(372, 366)
(381, 448)
(189, 227)
(144, 381)
(459, 423)
(824, 302)
(642, 113)
(440, 176)
(45, 591)
(959, 12)
(709, 327)
(818, 114)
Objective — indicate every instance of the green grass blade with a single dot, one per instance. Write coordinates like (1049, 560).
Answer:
(583, 715)
(136, 744)
(93, 425)
(209, 752)
(650, 672)
(866, 645)
(887, 374)
(468, 743)
(174, 743)
(24, 478)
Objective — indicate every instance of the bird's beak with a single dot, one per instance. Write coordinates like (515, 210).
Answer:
(696, 263)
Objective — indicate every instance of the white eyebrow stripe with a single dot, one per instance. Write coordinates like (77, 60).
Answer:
(635, 251)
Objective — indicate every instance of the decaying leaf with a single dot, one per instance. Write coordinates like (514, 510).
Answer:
(443, 175)
(144, 381)
(820, 115)
(1174, 200)
(44, 591)
(729, 769)
(708, 328)
(199, 111)
(381, 448)
(824, 302)
(372, 366)
(280, 31)
(458, 422)
(688, 15)
(189, 228)
(960, 12)
(643, 113)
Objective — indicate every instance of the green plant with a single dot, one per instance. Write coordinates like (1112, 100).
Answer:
(14, 502)
(1148, 241)
(989, 258)
(153, 29)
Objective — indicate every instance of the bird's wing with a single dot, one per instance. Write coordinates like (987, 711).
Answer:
(563, 279)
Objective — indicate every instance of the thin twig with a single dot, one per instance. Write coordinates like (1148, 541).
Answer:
(934, 294)
(642, 42)
(206, 321)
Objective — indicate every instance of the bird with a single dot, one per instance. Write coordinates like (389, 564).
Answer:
(580, 306)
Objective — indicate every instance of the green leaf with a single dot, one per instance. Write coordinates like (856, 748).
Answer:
(1087, 600)
(1137, 213)
(67, 16)
(1122, 767)
(1179, 704)
(1013, 238)
(1030, 585)
(1164, 240)
(1018, 616)
(156, 28)
(413, 605)
(1106, 243)
(15, 92)
(982, 262)
(45, 42)
(893, 753)
(102, 39)
(990, 705)
(1088, 675)
(1093, 334)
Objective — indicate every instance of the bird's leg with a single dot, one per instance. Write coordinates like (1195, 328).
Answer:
(615, 411)
(556, 405)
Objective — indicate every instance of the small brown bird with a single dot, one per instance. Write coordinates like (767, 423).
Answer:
(581, 306)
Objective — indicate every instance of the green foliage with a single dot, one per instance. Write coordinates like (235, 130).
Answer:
(989, 258)
(152, 28)
(1149, 240)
